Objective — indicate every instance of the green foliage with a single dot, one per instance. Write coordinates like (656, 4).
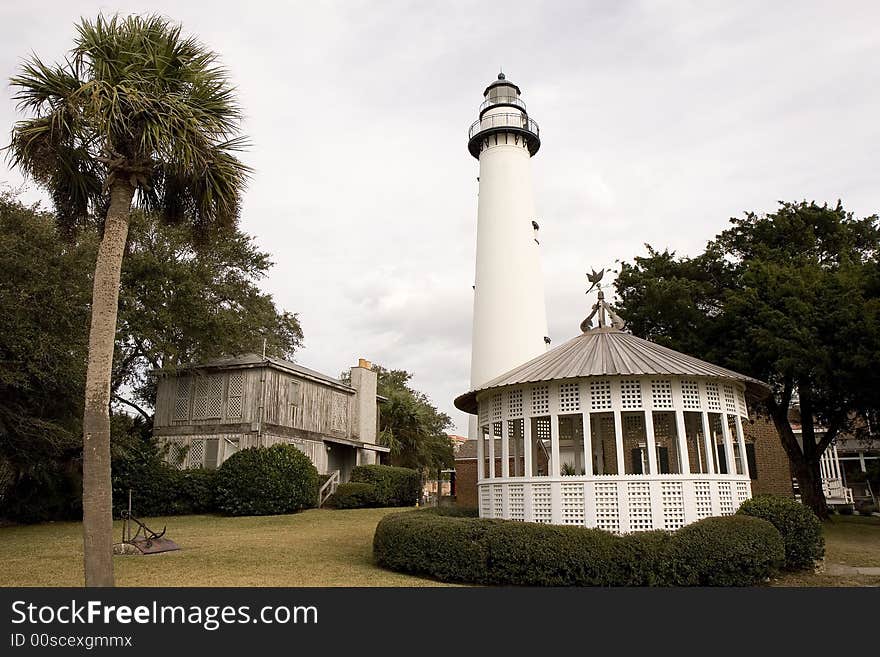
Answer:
(157, 488)
(791, 298)
(266, 481)
(354, 495)
(135, 100)
(393, 486)
(800, 528)
(439, 543)
(727, 551)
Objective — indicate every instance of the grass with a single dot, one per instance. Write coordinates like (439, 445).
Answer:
(851, 541)
(313, 548)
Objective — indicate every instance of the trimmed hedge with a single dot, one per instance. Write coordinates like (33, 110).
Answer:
(729, 551)
(800, 528)
(261, 481)
(394, 486)
(725, 551)
(353, 495)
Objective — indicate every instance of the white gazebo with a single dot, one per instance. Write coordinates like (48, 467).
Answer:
(612, 431)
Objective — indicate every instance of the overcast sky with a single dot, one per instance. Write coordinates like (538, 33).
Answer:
(659, 121)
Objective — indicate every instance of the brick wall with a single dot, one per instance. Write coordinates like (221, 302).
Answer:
(774, 470)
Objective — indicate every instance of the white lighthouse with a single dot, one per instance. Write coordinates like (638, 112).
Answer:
(510, 319)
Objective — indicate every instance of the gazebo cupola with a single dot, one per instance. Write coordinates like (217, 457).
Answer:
(612, 431)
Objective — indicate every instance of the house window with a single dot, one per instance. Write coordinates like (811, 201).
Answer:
(181, 399)
(295, 400)
(339, 413)
(208, 398)
(234, 395)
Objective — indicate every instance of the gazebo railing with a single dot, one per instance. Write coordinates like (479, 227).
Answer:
(616, 503)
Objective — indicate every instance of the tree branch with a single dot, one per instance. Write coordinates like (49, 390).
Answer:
(123, 400)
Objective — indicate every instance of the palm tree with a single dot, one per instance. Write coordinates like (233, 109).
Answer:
(138, 113)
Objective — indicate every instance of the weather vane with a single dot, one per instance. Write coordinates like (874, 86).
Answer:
(601, 306)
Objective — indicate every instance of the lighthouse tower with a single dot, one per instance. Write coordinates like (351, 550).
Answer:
(510, 319)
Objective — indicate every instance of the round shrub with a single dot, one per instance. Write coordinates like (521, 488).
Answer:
(394, 486)
(725, 551)
(730, 551)
(353, 495)
(800, 528)
(263, 481)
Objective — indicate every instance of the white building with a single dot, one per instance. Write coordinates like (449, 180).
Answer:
(510, 320)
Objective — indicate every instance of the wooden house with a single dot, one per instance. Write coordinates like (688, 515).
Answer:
(207, 412)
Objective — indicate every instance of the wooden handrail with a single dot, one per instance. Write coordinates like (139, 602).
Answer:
(328, 488)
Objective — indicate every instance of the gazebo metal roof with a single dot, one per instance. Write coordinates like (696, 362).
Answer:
(609, 351)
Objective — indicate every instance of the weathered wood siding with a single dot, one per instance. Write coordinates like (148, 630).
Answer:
(290, 402)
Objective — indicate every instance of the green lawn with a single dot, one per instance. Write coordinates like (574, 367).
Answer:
(313, 548)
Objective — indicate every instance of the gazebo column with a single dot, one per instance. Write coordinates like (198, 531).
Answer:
(492, 450)
(651, 442)
(708, 443)
(527, 453)
(741, 441)
(728, 444)
(481, 456)
(555, 486)
(505, 469)
(588, 442)
(684, 459)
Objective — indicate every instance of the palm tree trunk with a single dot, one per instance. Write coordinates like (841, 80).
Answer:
(97, 487)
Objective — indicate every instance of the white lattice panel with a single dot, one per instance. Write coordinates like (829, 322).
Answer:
(233, 407)
(515, 403)
(484, 412)
(496, 406)
(498, 501)
(215, 396)
(713, 398)
(742, 492)
(542, 505)
(600, 395)
(631, 393)
(690, 395)
(516, 502)
(176, 455)
(485, 502)
(181, 399)
(607, 510)
(729, 398)
(569, 397)
(540, 400)
(196, 456)
(725, 498)
(672, 497)
(661, 393)
(572, 504)
(741, 407)
(340, 413)
(234, 394)
(200, 399)
(638, 494)
(703, 498)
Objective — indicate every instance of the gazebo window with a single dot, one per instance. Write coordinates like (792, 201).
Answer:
(717, 433)
(635, 444)
(737, 457)
(571, 445)
(666, 443)
(696, 443)
(540, 446)
(497, 437)
(604, 443)
(485, 465)
(516, 448)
